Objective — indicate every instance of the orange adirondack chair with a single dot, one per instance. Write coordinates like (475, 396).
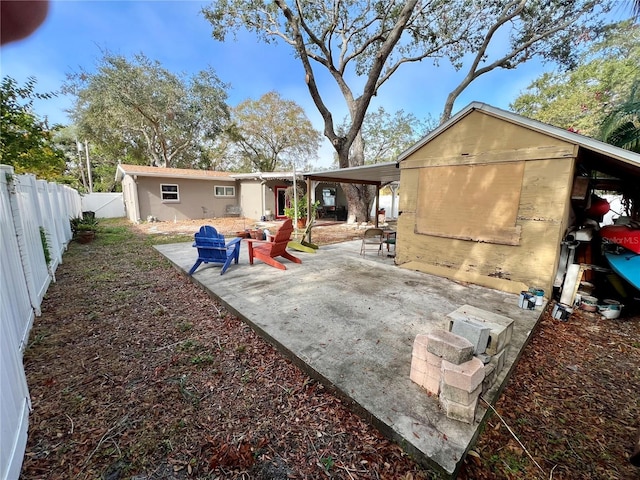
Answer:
(275, 246)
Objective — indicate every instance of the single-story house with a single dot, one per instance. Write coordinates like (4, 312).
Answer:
(175, 194)
(169, 194)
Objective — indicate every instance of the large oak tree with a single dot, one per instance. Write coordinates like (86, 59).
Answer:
(127, 104)
(271, 134)
(361, 44)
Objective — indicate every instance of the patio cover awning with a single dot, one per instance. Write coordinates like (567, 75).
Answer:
(379, 174)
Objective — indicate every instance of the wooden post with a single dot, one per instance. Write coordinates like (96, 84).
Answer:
(377, 203)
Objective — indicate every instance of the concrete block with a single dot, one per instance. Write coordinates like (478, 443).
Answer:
(420, 346)
(484, 358)
(419, 363)
(432, 385)
(498, 360)
(434, 360)
(457, 411)
(451, 347)
(466, 376)
(417, 376)
(428, 379)
(490, 376)
(434, 371)
(475, 332)
(501, 327)
(458, 395)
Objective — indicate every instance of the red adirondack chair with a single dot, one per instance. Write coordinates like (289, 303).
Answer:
(276, 246)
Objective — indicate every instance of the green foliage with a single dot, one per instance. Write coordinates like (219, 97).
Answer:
(302, 204)
(135, 107)
(621, 127)
(203, 359)
(26, 142)
(113, 235)
(581, 98)
(386, 136)
(328, 463)
(45, 245)
(271, 134)
(104, 160)
(85, 223)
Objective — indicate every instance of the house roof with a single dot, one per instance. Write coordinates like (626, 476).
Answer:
(146, 171)
(266, 176)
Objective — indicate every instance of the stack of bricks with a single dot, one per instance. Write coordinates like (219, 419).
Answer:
(477, 325)
(461, 363)
(443, 364)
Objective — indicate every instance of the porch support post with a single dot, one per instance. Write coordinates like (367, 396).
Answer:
(377, 203)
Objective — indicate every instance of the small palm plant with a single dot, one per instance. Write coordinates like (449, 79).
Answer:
(622, 126)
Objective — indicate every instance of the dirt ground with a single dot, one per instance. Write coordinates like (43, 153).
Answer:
(136, 373)
(323, 232)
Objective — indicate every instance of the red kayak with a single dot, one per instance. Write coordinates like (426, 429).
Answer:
(623, 235)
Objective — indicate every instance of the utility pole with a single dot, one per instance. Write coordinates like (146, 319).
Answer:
(86, 151)
(80, 164)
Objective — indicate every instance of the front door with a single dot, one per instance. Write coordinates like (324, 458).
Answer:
(281, 201)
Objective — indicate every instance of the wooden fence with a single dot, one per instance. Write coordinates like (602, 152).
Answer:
(33, 212)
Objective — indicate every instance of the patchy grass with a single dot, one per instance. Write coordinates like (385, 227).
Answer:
(134, 372)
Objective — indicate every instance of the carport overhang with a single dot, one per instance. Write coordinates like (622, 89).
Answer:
(380, 175)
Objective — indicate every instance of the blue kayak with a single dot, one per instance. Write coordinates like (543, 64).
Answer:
(627, 265)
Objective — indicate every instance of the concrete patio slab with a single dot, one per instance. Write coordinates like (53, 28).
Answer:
(350, 322)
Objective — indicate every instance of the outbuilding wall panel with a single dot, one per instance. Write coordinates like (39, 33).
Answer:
(542, 212)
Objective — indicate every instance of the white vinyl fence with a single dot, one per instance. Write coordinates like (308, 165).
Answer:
(104, 204)
(30, 209)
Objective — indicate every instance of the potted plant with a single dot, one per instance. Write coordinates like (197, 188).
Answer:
(290, 211)
(84, 228)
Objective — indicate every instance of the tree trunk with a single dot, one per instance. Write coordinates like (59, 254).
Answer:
(359, 196)
(358, 201)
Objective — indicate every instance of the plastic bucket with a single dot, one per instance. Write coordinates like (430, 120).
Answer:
(561, 312)
(527, 301)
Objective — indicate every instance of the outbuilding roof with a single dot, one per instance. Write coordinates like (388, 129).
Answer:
(603, 152)
(378, 174)
(600, 154)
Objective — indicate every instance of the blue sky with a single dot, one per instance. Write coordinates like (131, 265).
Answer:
(175, 34)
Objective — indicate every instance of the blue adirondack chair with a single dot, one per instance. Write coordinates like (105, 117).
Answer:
(213, 249)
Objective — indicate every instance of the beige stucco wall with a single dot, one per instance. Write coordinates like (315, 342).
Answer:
(196, 199)
(542, 215)
(251, 192)
(130, 198)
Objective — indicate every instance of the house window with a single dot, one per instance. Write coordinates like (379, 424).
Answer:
(329, 197)
(169, 192)
(222, 191)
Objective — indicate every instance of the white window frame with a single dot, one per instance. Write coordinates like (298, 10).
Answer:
(163, 193)
(224, 188)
